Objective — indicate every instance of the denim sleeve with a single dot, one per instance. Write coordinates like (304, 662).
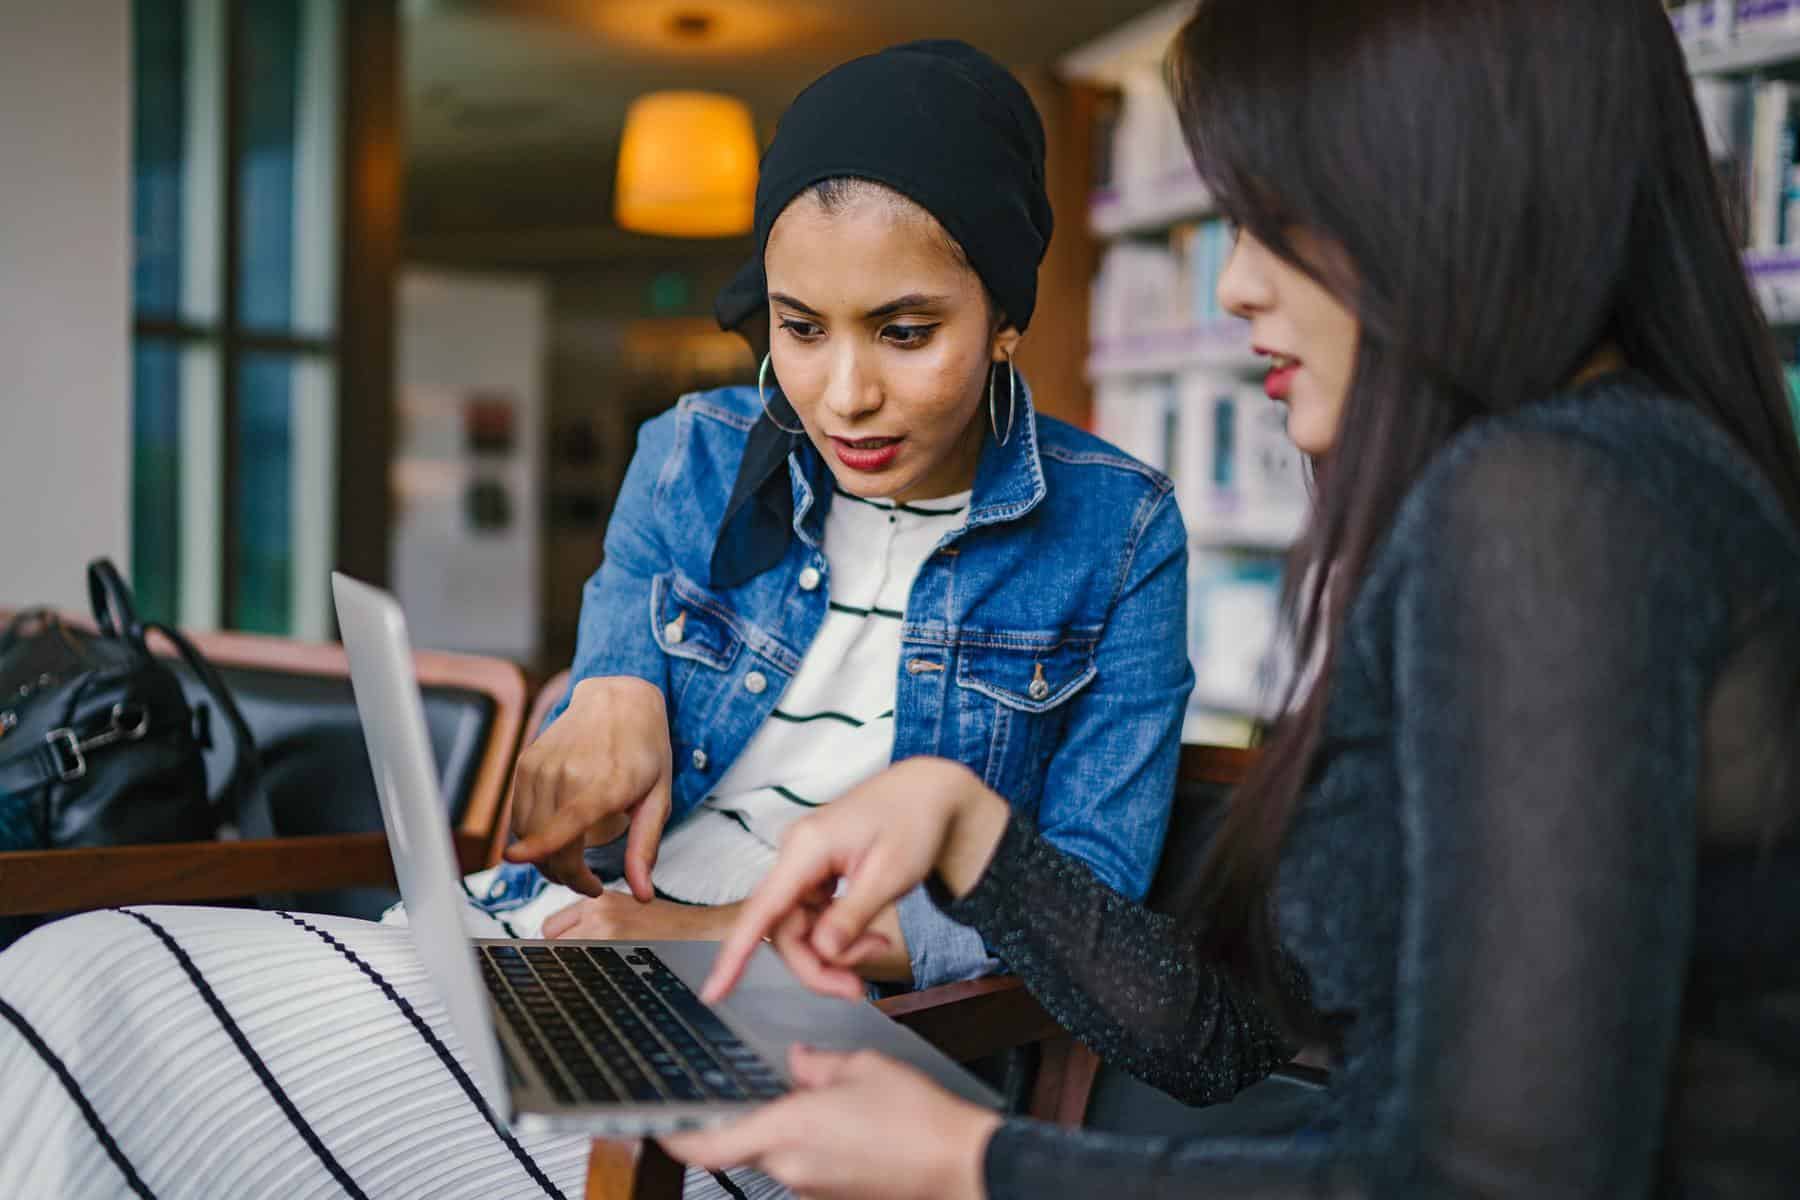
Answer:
(942, 951)
(613, 636)
(1108, 787)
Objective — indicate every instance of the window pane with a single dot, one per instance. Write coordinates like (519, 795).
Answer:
(288, 172)
(175, 481)
(156, 480)
(284, 442)
(175, 160)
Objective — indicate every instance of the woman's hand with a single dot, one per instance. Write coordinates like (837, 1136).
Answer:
(615, 917)
(859, 1125)
(880, 839)
(602, 768)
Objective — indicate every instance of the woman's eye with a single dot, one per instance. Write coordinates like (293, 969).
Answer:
(804, 330)
(908, 335)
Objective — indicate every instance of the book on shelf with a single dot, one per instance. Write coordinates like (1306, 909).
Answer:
(1233, 616)
(1715, 25)
(1144, 176)
(1159, 286)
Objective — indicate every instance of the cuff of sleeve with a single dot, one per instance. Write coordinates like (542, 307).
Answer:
(987, 902)
(1019, 1157)
(942, 951)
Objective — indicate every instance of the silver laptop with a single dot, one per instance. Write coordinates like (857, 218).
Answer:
(604, 1038)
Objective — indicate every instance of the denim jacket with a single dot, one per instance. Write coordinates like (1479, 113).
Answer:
(1043, 646)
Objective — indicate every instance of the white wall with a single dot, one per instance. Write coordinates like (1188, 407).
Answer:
(65, 261)
(462, 336)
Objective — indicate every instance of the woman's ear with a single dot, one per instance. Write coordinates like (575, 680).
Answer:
(1006, 341)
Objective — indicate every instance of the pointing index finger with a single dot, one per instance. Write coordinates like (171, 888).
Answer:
(795, 873)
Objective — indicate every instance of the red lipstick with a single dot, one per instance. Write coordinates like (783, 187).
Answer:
(867, 455)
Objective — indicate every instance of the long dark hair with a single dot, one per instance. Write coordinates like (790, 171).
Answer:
(1512, 184)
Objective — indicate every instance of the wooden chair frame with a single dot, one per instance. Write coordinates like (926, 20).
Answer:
(42, 881)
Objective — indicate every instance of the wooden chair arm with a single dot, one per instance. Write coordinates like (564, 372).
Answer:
(638, 1170)
(55, 881)
(973, 1019)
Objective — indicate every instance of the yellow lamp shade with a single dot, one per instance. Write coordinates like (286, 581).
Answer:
(687, 166)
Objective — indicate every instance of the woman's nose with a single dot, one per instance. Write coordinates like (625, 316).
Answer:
(1243, 287)
(853, 391)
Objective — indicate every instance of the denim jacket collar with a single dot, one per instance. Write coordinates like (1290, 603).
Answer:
(761, 515)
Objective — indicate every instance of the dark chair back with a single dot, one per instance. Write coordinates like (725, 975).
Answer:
(1203, 783)
(315, 765)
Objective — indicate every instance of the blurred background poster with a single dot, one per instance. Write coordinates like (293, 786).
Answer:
(467, 465)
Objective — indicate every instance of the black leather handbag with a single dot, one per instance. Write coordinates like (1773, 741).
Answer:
(98, 744)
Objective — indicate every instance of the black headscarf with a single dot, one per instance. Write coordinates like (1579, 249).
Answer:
(942, 124)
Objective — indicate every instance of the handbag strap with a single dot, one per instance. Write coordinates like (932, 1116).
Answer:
(115, 612)
(30, 769)
(62, 755)
(243, 796)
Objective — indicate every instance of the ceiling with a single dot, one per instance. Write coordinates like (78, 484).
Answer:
(513, 107)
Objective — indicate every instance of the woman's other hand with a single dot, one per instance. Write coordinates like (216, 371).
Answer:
(616, 917)
(880, 839)
(602, 768)
(835, 1136)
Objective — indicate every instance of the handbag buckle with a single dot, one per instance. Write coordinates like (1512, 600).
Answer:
(70, 763)
(127, 723)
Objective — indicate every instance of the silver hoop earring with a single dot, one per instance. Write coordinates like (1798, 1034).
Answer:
(763, 395)
(1012, 403)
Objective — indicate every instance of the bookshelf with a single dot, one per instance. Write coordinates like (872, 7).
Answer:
(1742, 56)
(1175, 197)
(1217, 344)
(1175, 381)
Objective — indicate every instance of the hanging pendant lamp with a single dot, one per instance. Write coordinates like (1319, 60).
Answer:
(687, 166)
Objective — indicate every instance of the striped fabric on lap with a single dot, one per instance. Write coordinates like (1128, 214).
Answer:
(105, 1137)
(431, 1039)
(276, 1093)
(181, 1099)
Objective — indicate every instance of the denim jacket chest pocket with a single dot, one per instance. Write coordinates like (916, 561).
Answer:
(1015, 696)
(700, 636)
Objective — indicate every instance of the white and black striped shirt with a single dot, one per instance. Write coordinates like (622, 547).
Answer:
(834, 725)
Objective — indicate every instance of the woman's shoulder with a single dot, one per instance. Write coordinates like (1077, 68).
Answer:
(702, 431)
(1618, 451)
(1083, 460)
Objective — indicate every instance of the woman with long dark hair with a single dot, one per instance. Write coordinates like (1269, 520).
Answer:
(1523, 850)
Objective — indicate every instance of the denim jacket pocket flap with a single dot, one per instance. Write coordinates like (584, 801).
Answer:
(688, 622)
(1030, 679)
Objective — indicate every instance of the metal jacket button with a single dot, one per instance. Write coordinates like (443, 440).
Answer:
(675, 630)
(1039, 688)
(809, 579)
(699, 760)
(755, 682)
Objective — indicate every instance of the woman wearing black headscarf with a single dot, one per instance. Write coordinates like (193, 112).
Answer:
(879, 552)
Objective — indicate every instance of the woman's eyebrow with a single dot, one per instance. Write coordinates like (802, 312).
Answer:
(789, 301)
(911, 300)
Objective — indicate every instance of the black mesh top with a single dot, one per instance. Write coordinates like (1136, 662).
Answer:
(1548, 875)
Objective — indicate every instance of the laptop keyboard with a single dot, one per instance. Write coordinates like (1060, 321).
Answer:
(605, 1027)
